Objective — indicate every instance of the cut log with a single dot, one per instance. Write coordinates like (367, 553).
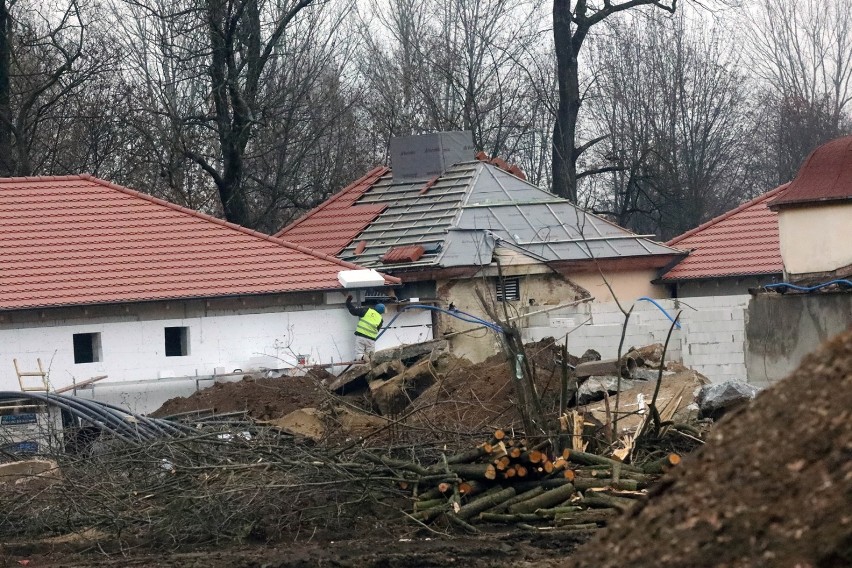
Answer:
(485, 471)
(583, 483)
(585, 527)
(662, 465)
(642, 479)
(502, 464)
(435, 492)
(498, 450)
(428, 515)
(583, 458)
(521, 471)
(472, 487)
(461, 523)
(586, 516)
(484, 503)
(545, 500)
(499, 435)
(509, 518)
(428, 504)
(559, 510)
(515, 452)
(545, 483)
(510, 472)
(599, 501)
(504, 506)
(532, 456)
(470, 455)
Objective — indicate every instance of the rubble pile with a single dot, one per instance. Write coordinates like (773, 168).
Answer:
(416, 435)
(772, 486)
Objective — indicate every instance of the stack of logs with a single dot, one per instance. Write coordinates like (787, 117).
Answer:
(505, 481)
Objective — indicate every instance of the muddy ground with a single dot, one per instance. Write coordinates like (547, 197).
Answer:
(503, 548)
(771, 487)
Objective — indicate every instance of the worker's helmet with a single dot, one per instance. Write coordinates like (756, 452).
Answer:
(379, 308)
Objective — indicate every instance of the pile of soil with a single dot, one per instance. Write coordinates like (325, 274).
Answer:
(261, 398)
(772, 487)
(481, 396)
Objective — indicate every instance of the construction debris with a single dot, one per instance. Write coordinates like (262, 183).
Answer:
(716, 400)
(402, 428)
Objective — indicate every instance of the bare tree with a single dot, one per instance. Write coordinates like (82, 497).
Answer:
(245, 91)
(803, 52)
(44, 61)
(572, 22)
(454, 65)
(671, 104)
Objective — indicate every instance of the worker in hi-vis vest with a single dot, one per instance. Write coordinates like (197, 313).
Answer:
(368, 328)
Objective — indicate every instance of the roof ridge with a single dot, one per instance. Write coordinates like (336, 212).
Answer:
(68, 177)
(211, 218)
(734, 211)
(376, 172)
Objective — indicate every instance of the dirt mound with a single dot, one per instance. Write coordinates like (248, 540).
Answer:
(772, 487)
(261, 398)
(481, 396)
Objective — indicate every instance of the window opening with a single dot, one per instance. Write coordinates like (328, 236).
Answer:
(87, 348)
(177, 341)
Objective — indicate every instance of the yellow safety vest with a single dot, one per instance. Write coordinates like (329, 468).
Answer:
(368, 325)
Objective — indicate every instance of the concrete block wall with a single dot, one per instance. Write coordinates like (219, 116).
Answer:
(714, 336)
(711, 338)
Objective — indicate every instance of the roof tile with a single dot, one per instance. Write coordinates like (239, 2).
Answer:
(330, 226)
(411, 253)
(743, 241)
(826, 175)
(80, 240)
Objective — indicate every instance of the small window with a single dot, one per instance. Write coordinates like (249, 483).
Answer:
(177, 341)
(87, 347)
(511, 287)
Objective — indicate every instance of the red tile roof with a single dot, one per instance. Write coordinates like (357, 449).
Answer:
(826, 175)
(743, 241)
(80, 240)
(410, 253)
(330, 226)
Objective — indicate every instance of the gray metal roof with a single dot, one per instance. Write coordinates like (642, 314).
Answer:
(474, 206)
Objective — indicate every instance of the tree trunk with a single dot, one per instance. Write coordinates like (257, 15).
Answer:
(564, 160)
(7, 161)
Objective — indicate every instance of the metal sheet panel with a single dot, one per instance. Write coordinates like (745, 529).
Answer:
(424, 156)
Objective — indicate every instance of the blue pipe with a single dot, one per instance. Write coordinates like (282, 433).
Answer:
(662, 309)
(807, 288)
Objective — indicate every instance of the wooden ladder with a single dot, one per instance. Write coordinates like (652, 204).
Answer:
(40, 373)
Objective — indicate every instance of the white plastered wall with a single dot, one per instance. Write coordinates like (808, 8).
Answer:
(816, 239)
(133, 347)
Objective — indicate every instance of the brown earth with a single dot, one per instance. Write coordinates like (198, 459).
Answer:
(481, 397)
(772, 487)
(261, 398)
